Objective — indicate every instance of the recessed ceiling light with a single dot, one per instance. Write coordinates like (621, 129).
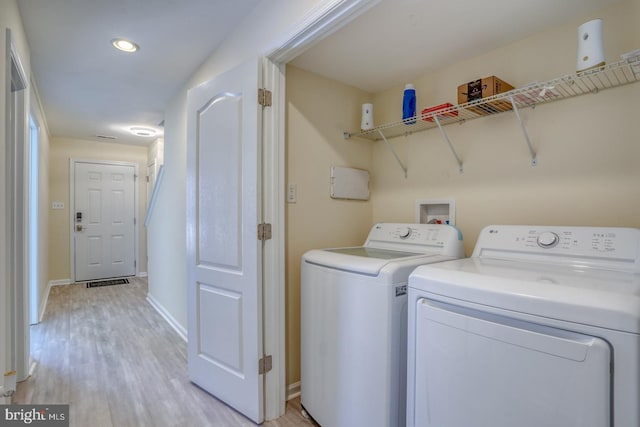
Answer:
(125, 45)
(140, 131)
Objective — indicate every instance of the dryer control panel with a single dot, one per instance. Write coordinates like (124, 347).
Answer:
(600, 247)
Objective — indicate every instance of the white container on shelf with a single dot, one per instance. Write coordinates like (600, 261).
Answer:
(590, 46)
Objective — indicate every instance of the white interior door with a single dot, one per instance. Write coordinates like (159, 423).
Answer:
(104, 220)
(223, 250)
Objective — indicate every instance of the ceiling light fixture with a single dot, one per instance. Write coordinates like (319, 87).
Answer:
(125, 45)
(140, 131)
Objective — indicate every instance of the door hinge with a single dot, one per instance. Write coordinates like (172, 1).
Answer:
(264, 97)
(265, 365)
(264, 231)
(147, 178)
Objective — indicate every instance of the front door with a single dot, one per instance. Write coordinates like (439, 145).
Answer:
(104, 220)
(223, 251)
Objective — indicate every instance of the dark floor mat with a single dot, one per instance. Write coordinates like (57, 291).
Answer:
(111, 282)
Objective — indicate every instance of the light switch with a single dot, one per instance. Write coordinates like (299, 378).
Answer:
(292, 195)
(57, 205)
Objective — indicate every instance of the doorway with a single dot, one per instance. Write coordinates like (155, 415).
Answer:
(103, 219)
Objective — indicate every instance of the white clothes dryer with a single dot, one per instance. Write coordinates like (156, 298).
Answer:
(540, 327)
(354, 323)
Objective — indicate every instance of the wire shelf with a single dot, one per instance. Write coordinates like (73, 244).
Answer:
(567, 86)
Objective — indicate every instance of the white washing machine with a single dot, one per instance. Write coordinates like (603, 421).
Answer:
(540, 327)
(354, 323)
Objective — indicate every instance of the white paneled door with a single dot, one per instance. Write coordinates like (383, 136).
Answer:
(104, 220)
(223, 251)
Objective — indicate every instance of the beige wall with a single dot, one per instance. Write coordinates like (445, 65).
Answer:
(61, 151)
(587, 172)
(588, 151)
(318, 111)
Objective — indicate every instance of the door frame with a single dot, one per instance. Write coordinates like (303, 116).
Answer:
(72, 209)
(17, 226)
(33, 215)
(320, 22)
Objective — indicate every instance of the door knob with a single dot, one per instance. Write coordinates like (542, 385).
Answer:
(79, 227)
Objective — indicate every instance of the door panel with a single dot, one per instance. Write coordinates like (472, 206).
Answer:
(224, 254)
(219, 182)
(221, 307)
(104, 220)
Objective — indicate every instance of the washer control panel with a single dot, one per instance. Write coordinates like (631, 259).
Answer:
(591, 244)
(411, 233)
(438, 238)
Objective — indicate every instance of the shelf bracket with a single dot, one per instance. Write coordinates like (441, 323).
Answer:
(446, 139)
(532, 153)
(390, 147)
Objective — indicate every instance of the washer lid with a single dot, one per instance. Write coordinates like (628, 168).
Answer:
(368, 252)
(367, 260)
(597, 297)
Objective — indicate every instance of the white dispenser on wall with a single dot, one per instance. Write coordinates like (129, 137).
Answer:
(590, 46)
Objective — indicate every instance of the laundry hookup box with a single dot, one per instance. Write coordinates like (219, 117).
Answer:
(477, 90)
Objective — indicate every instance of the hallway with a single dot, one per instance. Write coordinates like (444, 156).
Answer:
(117, 362)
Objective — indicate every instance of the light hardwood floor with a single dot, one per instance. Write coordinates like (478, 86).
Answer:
(109, 355)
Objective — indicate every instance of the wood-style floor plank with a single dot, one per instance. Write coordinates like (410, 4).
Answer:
(109, 355)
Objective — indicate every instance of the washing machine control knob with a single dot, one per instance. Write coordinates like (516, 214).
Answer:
(548, 239)
(404, 232)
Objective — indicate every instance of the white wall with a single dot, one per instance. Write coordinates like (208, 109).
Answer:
(43, 200)
(270, 24)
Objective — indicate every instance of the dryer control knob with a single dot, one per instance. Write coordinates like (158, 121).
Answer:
(548, 239)
(404, 232)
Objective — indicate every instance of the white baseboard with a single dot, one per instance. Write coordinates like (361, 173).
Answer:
(293, 390)
(168, 317)
(141, 274)
(60, 282)
(43, 302)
